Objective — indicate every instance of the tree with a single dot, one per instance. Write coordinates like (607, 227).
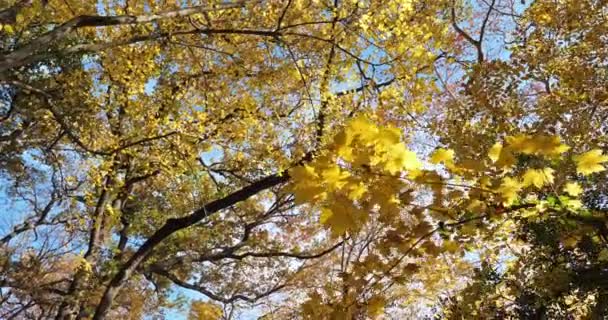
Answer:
(551, 79)
(264, 152)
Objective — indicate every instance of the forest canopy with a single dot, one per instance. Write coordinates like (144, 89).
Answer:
(303, 159)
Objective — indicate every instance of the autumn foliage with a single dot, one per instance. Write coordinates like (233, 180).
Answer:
(303, 159)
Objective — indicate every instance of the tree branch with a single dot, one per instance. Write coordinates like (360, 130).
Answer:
(175, 224)
(23, 55)
(214, 296)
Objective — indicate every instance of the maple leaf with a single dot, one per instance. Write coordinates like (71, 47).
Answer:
(603, 255)
(302, 173)
(538, 144)
(364, 129)
(342, 145)
(538, 177)
(325, 215)
(506, 158)
(590, 162)
(445, 156)
(400, 158)
(334, 177)
(573, 189)
(356, 190)
(549, 145)
(495, 151)
(305, 185)
(520, 143)
(389, 136)
(340, 216)
(343, 138)
(509, 189)
(451, 246)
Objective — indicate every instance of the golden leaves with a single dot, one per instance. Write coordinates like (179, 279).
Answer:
(334, 177)
(509, 189)
(362, 151)
(341, 216)
(200, 310)
(84, 265)
(544, 145)
(538, 177)
(400, 158)
(364, 129)
(590, 162)
(356, 190)
(361, 174)
(445, 156)
(506, 159)
(7, 28)
(573, 189)
(375, 306)
(503, 156)
(495, 152)
(374, 146)
(307, 189)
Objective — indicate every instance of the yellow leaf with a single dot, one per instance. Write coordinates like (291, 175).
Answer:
(495, 151)
(476, 206)
(9, 29)
(540, 144)
(538, 177)
(343, 138)
(389, 136)
(451, 246)
(302, 173)
(471, 164)
(506, 158)
(325, 215)
(309, 193)
(201, 310)
(305, 185)
(574, 204)
(573, 189)
(571, 241)
(375, 306)
(334, 177)
(520, 143)
(590, 162)
(414, 173)
(85, 265)
(509, 189)
(356, 191)
(399, 158)
(445, 156)
(19, 19)
(364, 129)
(340, 217)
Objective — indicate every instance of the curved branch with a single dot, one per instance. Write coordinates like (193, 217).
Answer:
(31, 223)
(175, 224)
(215, 296)
(301, 256)
(464, 34)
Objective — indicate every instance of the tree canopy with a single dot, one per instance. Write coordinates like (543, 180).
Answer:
(303, 159)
